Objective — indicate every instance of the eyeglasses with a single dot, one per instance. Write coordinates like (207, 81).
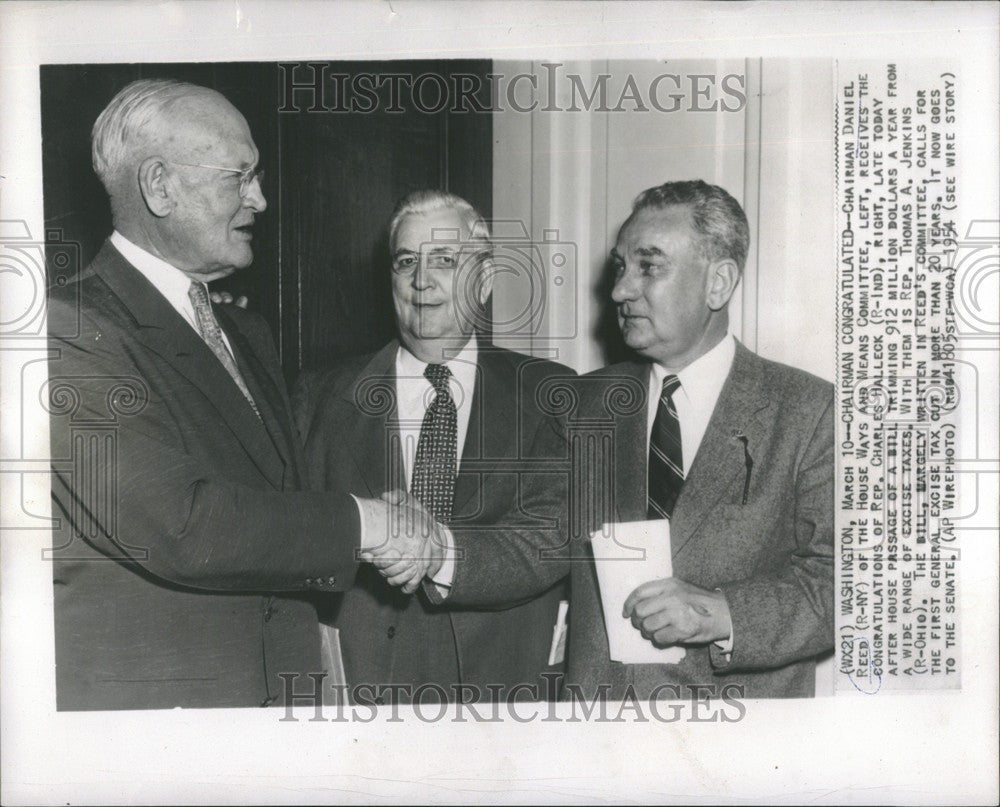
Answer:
(246, 175)
(406, 262)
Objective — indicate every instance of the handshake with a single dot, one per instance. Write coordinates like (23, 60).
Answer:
(401, 539)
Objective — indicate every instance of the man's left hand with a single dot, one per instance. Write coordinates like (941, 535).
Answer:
(670, 611)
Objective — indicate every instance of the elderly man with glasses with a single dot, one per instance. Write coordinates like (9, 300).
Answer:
(186, 546)
(461, 427)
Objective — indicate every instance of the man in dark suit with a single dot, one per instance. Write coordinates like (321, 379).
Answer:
(457, 423)
(185, 545)
(734, 450)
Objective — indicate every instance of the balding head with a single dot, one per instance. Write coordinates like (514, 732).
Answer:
(128, 127)
(171, 155)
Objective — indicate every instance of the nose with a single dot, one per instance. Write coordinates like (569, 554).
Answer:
(254, 198)
(625, 287)
(422, 275)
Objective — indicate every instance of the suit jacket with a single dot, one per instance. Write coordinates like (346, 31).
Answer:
(772, 556)
(185, 548)
(347, 417)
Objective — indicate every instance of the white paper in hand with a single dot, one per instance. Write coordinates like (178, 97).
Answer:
(628, 554)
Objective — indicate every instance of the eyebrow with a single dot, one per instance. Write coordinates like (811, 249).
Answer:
(435, 251)
(642, 252)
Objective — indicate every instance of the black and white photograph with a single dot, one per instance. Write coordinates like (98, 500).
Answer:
(610, 386)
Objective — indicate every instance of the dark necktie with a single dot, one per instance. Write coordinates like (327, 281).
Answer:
(210, 331)
(666, 460)
(434, 465)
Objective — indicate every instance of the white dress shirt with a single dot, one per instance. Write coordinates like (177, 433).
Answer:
(701, 382)
(170, 281)
(414, 394)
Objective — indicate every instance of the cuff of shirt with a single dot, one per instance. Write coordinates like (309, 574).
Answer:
(361, 521)
(446, 574)
(725, 645)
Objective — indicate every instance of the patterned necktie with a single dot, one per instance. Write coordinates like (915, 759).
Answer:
(666, 460)
(434, 466)
(209, 329)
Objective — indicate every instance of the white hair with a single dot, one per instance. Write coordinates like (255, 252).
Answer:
(117, 129)
(430, 201)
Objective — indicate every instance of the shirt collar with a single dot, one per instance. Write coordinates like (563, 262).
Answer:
(702, 380)
(170, 281)
(462, 365)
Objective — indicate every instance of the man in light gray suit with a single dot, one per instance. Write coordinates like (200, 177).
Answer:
(736, 451)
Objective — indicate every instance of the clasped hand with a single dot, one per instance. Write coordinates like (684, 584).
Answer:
(414, 543)
(401, 539)
(670, 611)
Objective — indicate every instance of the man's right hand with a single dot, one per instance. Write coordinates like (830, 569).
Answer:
(401, 539)
(226, 298)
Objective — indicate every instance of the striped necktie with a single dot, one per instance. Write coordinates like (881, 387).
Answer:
(666, 460)
(210, 331)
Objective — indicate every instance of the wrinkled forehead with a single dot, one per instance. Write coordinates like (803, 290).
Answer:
(663, 228)
(204, 127)
(438, 229)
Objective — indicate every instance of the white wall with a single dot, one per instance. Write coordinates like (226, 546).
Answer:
(573, 175)
(796, 276)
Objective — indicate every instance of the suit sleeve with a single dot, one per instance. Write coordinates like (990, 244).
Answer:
(147, 499)
(513, 562)
(303, 404)
(788, 616)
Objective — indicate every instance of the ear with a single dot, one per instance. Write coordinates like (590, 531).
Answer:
(723, 277)
(485, 281)
(154, 184)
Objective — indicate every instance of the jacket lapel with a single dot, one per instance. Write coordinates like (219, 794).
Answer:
(721, 459)
(630, 445)
(491, 434)
(266, 394)
(165, 332)
(373, 436)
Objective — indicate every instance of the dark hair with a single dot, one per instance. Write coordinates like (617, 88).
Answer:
(717, 216)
